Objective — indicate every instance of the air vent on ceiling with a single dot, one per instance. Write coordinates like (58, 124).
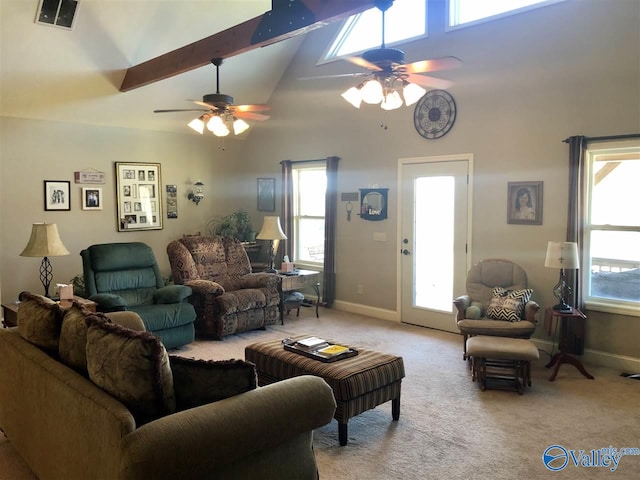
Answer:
(57, 13)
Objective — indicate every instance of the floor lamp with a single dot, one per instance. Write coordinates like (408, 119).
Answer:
(45, 242)
(272, 231)
(562, 255)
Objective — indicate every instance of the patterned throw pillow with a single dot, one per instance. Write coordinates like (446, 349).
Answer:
(39, 321)
(72, 349)
(197, 382)
(508, 304)
(132, 366)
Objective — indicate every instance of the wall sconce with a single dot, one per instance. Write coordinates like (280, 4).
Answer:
(196, 194)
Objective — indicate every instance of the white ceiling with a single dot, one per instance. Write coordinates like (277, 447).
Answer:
(56, 74)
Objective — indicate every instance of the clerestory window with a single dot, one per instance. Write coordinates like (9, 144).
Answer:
(463, 12)
(405, 20)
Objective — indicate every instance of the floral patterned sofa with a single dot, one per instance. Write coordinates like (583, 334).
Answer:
(227, 296)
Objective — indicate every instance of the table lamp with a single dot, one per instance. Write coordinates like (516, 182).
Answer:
(272, 231)
(562, 255)
(45, 242)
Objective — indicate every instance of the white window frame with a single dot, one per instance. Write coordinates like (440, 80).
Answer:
(594, 152)
(452, 5)
(296, 215)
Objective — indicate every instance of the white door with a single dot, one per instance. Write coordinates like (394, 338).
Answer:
(433, 239)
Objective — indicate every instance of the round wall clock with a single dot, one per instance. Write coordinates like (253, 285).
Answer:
(435, 114)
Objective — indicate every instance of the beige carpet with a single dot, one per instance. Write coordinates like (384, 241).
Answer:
(448, 428)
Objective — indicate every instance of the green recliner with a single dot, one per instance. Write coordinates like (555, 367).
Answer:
(125, 276)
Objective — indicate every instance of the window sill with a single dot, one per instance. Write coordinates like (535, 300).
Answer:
(630, 310)
(309, 266)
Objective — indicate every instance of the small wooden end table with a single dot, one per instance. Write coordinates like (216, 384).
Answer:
(292, 283)
(563, 357)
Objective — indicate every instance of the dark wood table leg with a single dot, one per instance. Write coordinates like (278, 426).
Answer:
(395, 408)
(342, 433)
(316, 287)
(571, 360)
(553, 360)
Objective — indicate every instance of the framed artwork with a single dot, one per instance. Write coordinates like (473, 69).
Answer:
(524, 203)
(139, 196)
(267, 194)
(172, 201)
(91, 198)
(57, 195)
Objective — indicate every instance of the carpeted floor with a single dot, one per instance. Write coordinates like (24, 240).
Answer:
(448, 428)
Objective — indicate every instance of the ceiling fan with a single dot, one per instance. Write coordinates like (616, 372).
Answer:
(387, 70)
(220, 113)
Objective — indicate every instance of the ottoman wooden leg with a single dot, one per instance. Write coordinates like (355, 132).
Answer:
(342, 433)
(395, 408)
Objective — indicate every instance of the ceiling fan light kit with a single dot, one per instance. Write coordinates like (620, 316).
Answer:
(220, 115)
(389, 73)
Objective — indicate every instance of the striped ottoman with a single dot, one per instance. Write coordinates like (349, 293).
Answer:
(359, 383)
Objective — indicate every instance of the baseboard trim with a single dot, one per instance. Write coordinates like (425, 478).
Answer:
(374, 312)
(622, 363)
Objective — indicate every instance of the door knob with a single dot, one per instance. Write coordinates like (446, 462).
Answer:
(405, 252)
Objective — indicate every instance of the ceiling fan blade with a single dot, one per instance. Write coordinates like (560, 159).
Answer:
(427, 81)
(363, 63)
(251, 115)
(432, 65)
(182, 110)
(358, 74)
(204, 104)
(252, 108)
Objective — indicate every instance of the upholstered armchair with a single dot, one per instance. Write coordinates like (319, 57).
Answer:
(498, 302)
(125, 276)
(227, 296)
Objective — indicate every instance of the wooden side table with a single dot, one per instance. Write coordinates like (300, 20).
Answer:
(561, 357)
(10, 310)
(10, 314)
(292, 283)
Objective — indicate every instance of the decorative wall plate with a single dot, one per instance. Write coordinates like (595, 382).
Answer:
(435, 114)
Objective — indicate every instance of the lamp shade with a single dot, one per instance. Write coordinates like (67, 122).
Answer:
(271, 229)
(44, 242)
(562, 255)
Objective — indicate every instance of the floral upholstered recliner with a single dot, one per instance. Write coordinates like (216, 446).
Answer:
(227, 296)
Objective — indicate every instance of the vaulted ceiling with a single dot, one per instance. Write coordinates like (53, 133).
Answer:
(77, 75)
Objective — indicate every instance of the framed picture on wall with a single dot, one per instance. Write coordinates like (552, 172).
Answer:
(139, 196)
(57, 195)
(267, 194)
(524, 203)
(91, 198)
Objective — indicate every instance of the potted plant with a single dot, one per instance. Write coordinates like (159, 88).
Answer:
(236, 225)
(243, 225)
(223, 226)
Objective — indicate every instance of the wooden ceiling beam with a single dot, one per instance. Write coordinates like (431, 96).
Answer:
(242, 38)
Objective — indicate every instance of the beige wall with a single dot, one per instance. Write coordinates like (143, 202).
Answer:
(33, 151)
(528, 82)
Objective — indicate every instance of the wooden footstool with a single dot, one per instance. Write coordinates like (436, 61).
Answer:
(503, 360)
(359, 383)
